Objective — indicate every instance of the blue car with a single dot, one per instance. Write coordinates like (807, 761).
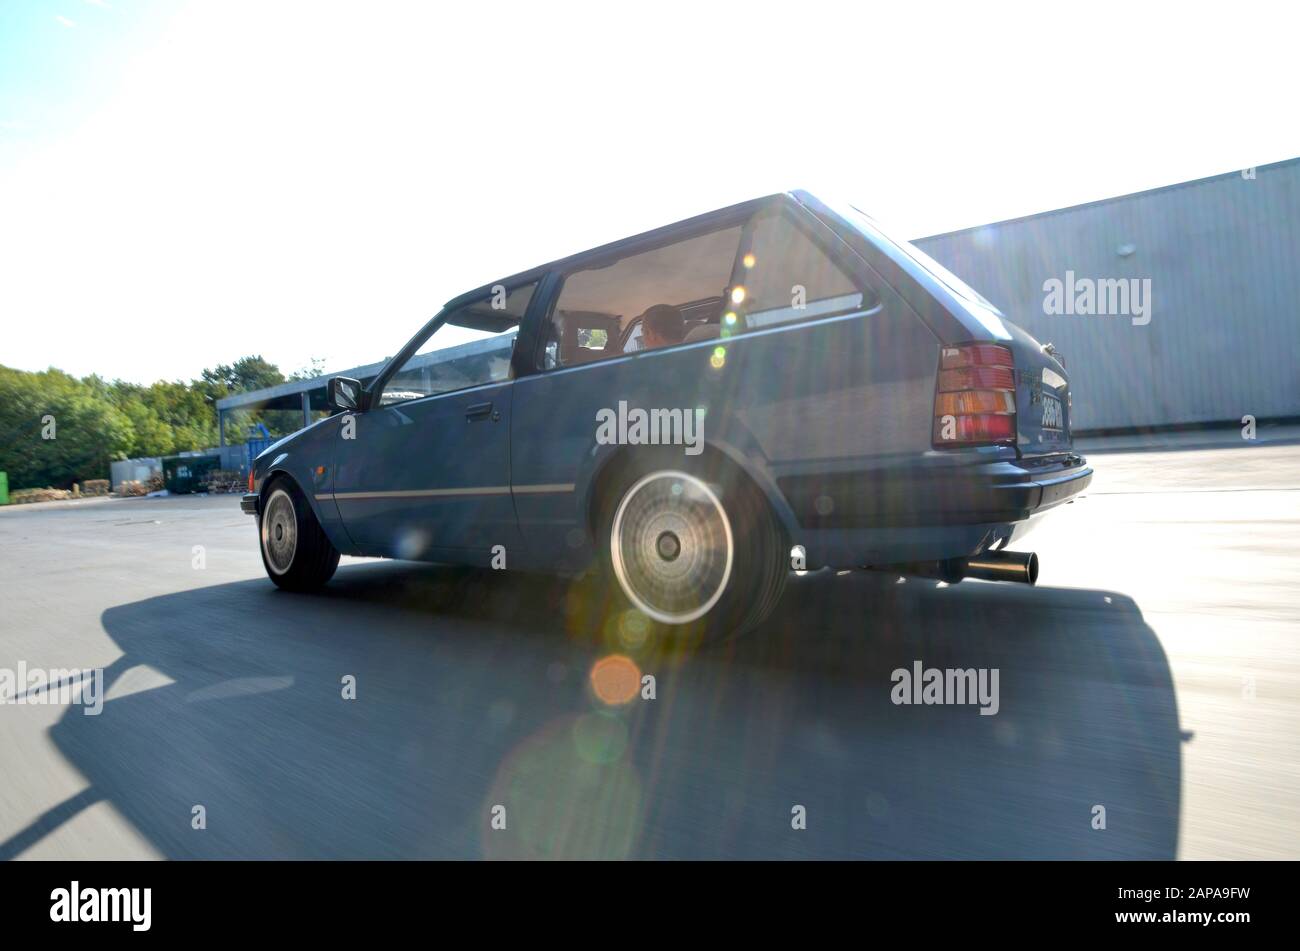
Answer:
(694, 412)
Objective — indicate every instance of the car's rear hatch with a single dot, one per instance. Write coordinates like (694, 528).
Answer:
(1042, 397)
(962, 318)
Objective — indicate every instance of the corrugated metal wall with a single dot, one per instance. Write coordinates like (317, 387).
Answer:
(1222, 255)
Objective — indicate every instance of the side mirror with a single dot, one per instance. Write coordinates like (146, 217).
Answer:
(343, 393)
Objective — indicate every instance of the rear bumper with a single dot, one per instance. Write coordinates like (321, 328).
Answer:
(988, 492)
(248, 504)
(946, 507)
(1041, 494)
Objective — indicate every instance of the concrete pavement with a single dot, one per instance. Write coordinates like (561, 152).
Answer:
(1155, 671)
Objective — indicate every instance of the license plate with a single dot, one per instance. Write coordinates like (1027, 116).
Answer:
(1053, 417)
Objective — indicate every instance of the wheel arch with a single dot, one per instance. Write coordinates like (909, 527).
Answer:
(280, 473)
(612, 463)
(282, 468)
(274, 478)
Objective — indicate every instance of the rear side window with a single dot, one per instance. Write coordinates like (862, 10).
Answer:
(785, 275)
(764, 273)
(650, 299)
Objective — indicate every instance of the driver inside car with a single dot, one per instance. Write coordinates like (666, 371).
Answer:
(662, 326)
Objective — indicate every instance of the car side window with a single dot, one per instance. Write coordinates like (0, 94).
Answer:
(632, 342)
(682, 282)
(472, 348)
(784, 275)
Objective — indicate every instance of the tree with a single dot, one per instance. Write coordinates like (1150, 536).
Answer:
(247, 373)
(313, 372)
(95, 422)
(56, 430)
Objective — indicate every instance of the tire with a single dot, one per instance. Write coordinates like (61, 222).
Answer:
(692, 545)
(295, 551)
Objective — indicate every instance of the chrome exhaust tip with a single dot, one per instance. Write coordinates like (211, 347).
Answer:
(1018, 566)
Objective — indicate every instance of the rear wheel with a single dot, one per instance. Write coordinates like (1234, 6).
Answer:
(295, 551)
(693, 547)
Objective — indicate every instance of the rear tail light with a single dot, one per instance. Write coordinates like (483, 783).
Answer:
(250, 481)
(977, 378)
(974, 403)
(976, 397)
(976, 355)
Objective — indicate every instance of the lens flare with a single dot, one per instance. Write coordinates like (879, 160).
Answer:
(567, 792)
(411, 543)
(600, 738)
(615, 679)
(633, 630)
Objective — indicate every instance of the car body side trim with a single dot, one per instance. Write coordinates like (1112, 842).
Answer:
(433, 493)
(418, 493)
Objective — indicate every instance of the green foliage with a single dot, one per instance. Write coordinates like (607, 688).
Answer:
(249, 373)
(315, 371)
(56, 429)
(94, 422)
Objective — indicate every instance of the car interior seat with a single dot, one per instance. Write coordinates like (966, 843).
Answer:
(702, 332)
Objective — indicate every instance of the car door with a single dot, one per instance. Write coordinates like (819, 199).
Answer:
(424, 471)
(581, 375)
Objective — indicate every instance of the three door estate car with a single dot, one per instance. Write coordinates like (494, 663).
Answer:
(683, 408)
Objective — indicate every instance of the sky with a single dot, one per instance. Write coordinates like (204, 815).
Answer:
(182, 184)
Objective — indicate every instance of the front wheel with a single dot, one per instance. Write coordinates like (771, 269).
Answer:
(295, 551)
(693, 550)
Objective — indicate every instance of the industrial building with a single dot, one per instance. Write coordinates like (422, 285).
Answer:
(1221, 339)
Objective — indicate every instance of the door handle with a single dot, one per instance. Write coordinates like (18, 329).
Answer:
(479, 410)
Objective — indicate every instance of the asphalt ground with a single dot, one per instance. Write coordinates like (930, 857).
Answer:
(1154, 672)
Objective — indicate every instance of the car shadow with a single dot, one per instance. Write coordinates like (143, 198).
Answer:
(478, 700)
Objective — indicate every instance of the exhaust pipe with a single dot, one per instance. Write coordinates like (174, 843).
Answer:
(1020, 566)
